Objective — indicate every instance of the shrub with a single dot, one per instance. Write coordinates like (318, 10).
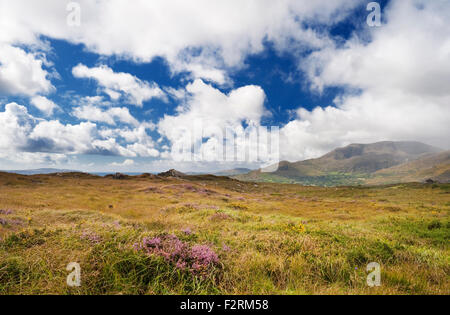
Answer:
(91, 237)
(292, 228)
(12, 271)
(6, 212)
(198, 259)
(220, 216)
(434, 225)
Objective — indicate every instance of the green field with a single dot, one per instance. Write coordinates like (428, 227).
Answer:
(260, 238)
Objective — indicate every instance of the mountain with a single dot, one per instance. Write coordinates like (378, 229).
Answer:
(351, 165)
(40, 171)
(433, 166)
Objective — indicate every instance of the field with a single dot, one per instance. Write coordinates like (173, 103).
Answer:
(211, 235)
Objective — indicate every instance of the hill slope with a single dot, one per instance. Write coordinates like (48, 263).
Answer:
(257, 239)
(433, 166)
(351, 165)
(233, 172)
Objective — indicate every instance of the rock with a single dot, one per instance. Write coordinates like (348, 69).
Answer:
(119, 176)
(172, 173)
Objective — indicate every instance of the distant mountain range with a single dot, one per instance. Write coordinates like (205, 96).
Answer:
(360, 164)
(40, 171)
(231, 172)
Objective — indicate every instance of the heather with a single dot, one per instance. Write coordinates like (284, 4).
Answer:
(198, 259)
(220, 236)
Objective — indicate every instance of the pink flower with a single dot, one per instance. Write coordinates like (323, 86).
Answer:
(91, 236)
(196, 259)
(187, 231)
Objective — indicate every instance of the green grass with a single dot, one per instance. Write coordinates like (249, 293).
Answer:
(270, 238)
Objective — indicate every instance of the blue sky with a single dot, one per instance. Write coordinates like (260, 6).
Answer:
(116, 96)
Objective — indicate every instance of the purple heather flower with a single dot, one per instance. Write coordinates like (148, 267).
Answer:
(187, 231)
(196, 259)
(151, 242)
(6, 212)
(204, 255)
(91, 236)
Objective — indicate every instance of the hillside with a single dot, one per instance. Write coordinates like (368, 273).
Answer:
(213, 235)
(434, 166)
(351, 165)
(233, 172)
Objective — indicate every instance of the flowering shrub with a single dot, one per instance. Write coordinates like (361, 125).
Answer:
(299, 228)
(187, 231)
(203, 257)
(91, 237)
(220, 216)
(198, 259)
(10, 222)
(5, 212)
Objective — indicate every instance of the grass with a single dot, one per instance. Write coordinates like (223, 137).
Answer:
(270, 238)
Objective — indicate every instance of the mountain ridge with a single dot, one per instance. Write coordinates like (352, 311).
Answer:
(350, 165)
(40, 171)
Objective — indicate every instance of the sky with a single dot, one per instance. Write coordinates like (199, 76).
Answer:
(114, 85)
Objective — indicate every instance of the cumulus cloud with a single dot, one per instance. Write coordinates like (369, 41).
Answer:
(206, 114)
(90, 101)
(23, 133)
(139, 142)
(22, 73)
(127, 162)
(15, 127)
(214, 108)
(205, 38)
(44, 105)
(116, 85)
(109, 116)
(395, 77)
(402, 74)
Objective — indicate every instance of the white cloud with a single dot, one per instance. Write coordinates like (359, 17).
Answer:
(23, 134)
(403, 74)
(15, 126)
(120, 84)
(139, 142)
(90, 101)
(411, 53)
(207, 112)
(44, 105)
(214, 109)
(205, 38)
(109, 116)
(22, 73)
(401, 71)
(127, 162)
(53, 136)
